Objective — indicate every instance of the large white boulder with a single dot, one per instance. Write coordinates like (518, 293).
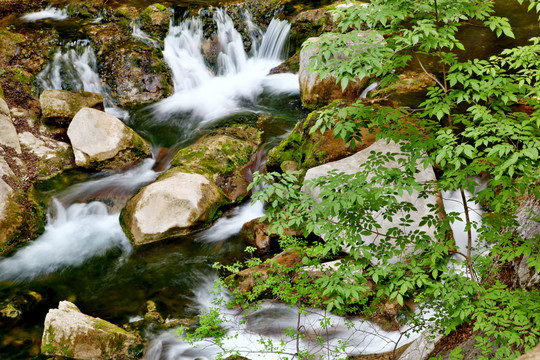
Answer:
(100, 140)
(70, 333)
(316, 91)
(352, 165)
(176, 204)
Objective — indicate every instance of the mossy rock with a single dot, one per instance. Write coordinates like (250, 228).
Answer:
(155, 20)
(21, 220)
(308, 150)
(223, 156)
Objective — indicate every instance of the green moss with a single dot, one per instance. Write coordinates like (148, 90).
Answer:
(160, 7)
(48, 349)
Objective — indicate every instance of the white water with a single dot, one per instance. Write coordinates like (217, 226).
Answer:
(75, 68)
(240, 79)
(48, 13)
(232, 223)
(124, 181)
(142, 36)
(72, 237)
(453, 203)
(269, 323)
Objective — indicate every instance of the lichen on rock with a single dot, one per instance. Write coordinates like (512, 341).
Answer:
(70, 333)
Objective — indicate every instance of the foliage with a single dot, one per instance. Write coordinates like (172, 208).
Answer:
(482, 119)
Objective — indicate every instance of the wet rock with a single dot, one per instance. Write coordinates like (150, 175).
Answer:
(58, 107)
(291, 65)
(352, 165)
(8, 133)
(307, 24)
(308, 150)
(101, 141)
(15, 307)
(315, 91)
(223, 156)
(135, 73)
(246, 279)
(52, 156)
(107, 36)
(175, 204)
(155, 20)
(258, 235)
(409, 90)
(70, 333)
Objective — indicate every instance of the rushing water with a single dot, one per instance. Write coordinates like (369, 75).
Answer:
(84, 257)
(238, 80)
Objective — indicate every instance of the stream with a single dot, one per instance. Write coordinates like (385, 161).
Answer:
(84, 256)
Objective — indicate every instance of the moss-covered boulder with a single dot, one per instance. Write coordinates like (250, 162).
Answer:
(58, 107)
(316, 91)
(155, 20)
(307, 24)
(307, 150)
(176, 204)
(224, 156)
(71, 334)
(135, 73)
(101, 141)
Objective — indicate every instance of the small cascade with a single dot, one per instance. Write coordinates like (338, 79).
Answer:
(73, 235)
(137, 33)
(239, 79)
(48, 13)
(75, 68)
(232, 223)
(275, 42)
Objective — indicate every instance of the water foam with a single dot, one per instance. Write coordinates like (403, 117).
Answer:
(239, 79)
(73, 236)
(48, 13)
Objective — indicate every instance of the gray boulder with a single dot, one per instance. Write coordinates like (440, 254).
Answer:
(58, 107)
(316, 91)
(70, 333)
(176, 204)
(352, 164)
(101, 141)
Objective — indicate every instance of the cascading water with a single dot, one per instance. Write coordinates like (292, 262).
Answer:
(75, 68)
(239, 79)
(48, 13)
(73, 236)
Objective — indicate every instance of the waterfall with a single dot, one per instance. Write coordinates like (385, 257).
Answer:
(75, 68)
(240, 78)
(72, 236)
(48, 13)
